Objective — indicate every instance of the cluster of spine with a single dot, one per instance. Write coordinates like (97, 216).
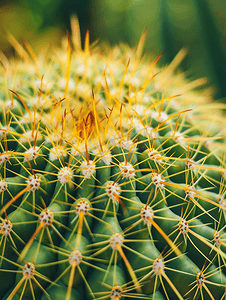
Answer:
(111, 187)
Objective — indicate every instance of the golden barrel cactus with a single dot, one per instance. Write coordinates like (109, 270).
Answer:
(112, 177)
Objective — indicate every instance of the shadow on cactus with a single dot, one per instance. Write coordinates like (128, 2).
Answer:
(112, 177)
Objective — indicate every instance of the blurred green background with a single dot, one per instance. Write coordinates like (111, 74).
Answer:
(198, 25)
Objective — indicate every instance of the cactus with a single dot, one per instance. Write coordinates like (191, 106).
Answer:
(112, 177)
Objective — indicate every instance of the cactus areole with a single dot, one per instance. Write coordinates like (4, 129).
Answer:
(112, 177)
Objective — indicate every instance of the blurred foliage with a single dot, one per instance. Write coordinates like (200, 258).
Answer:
(198, 25)
(39, 22)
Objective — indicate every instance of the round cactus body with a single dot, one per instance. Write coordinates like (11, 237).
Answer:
(112, 178)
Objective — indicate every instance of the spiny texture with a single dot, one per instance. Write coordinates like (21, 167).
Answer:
(112, 178)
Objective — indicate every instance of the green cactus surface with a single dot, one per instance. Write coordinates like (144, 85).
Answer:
(112, 177)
